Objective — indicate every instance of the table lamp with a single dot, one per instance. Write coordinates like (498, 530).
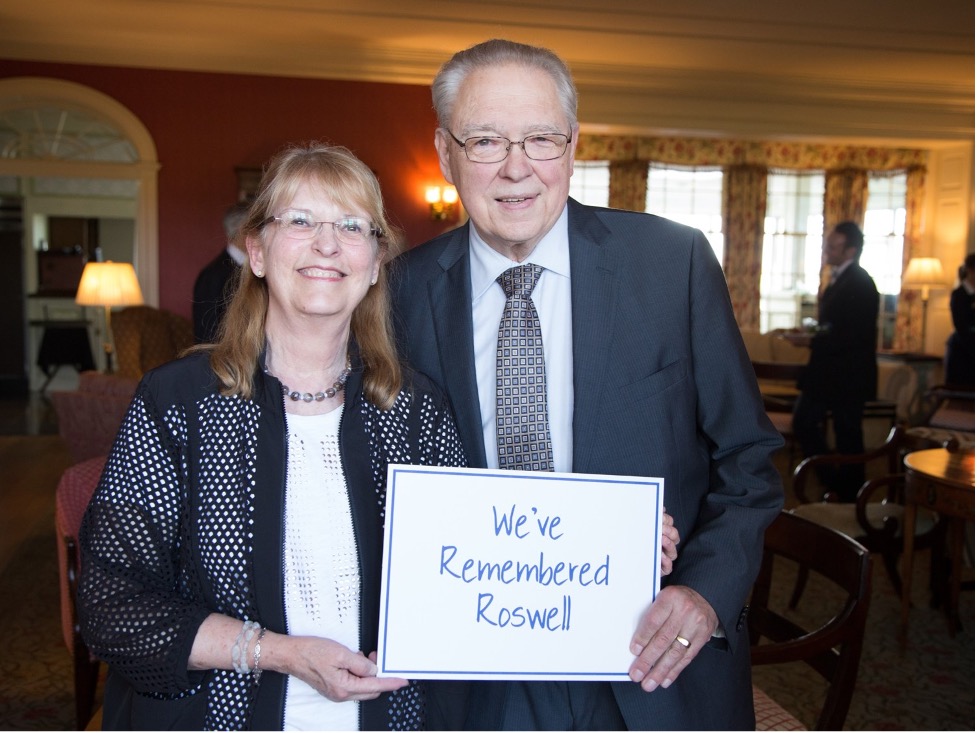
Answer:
(922, 274)
(108, 284)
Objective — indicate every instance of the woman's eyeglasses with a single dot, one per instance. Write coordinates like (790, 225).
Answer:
(353, 230)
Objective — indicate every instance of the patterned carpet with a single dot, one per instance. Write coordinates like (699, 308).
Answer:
(36, 690)
(928, 685)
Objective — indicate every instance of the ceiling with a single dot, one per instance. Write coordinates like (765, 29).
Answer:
(897, 72)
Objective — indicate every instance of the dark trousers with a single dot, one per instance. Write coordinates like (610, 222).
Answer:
(545, 706)
(809, 427)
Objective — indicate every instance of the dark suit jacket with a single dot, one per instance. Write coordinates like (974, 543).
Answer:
(212, 290)
(843, 362)
(663, 387)
(960, 352)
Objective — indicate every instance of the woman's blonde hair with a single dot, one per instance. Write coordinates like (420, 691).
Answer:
(241, 337)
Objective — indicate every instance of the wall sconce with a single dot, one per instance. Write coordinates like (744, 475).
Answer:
(441, 202)
(922, 274)
(108, 284)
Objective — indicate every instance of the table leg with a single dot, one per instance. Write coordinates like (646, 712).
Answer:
(955, 532)
(910, 518)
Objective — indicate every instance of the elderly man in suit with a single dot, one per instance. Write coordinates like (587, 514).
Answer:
(646, 374)
(842, 371)
(215, 283)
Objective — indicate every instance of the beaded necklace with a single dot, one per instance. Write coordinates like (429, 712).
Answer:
(327, 393)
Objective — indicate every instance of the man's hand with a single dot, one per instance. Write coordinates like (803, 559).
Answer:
(671, 535)
(679, 614)
(798, 338)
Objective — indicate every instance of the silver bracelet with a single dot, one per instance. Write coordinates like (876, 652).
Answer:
(256, 670)
(239, 651)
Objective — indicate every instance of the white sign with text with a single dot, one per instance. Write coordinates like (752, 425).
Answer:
(515, 574)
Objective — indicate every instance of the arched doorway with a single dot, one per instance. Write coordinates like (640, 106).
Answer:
(67, 150)
(51, 128)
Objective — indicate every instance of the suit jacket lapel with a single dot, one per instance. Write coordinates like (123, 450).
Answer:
(450, 296)
(592, 308)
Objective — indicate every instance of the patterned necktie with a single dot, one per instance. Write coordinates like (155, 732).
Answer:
(522, 435)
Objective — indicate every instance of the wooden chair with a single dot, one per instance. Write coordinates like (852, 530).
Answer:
(833, 649)
(950, 420)
(876, 518)
(74, 491)
(776, 381)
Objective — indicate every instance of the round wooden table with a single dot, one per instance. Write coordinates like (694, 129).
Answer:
(943, 482)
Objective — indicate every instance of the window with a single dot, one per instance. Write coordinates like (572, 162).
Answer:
(589, 184)
(883, 230)
(883, 246)
(691, 196)
(792, 248)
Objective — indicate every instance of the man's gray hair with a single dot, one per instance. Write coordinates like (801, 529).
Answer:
(234, 217)
(499, 52)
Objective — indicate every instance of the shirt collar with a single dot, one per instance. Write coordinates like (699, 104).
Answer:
(552, 253)
(840, 269)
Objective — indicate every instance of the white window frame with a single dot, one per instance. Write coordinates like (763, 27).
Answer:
(691, 195)
(590, 182)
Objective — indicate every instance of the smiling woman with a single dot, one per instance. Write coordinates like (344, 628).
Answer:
(285, 485)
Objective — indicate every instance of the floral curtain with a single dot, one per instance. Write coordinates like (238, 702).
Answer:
(845, 197)
(908, 324)
(745, 201)
(724, 152)
(745, 163)
(627, 184)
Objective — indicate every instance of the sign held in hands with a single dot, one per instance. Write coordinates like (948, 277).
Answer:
(494, 574)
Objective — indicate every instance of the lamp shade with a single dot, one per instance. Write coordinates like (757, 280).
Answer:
(924, 272)
(109, 284)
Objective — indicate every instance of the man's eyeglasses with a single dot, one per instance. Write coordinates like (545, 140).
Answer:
(353, 230)
(492, 149)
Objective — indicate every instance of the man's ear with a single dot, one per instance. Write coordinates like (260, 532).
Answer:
(442, 148)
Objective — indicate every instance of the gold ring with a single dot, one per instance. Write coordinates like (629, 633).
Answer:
(685, 643)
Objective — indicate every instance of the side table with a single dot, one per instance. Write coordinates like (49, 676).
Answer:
(944, 482)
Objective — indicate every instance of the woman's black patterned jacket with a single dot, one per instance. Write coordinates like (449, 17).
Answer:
(188, 520)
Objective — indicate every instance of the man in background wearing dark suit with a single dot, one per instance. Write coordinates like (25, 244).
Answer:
(646, 374)
(213, 285)
(842, 371)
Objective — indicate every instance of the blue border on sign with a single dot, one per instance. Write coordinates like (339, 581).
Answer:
(484, 473)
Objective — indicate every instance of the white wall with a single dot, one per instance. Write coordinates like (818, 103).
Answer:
(949, 229)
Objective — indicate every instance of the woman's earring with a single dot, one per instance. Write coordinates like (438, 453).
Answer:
(259, 273)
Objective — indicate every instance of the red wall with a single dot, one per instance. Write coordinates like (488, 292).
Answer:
(204, 125)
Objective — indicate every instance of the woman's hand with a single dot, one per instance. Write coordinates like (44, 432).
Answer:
(671, 535)
(330, 668)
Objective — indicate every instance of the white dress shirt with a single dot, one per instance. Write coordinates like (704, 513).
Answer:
(552, 298)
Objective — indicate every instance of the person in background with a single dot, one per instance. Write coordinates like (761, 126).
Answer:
(232, 550)
(215, 283)
(960, 349)
(841, 374)
(646, 374)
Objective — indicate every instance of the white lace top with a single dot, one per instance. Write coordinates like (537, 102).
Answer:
(322, 580)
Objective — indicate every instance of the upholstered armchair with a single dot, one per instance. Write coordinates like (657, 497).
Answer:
(74, 491)
(146, 337)
(89, 417)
